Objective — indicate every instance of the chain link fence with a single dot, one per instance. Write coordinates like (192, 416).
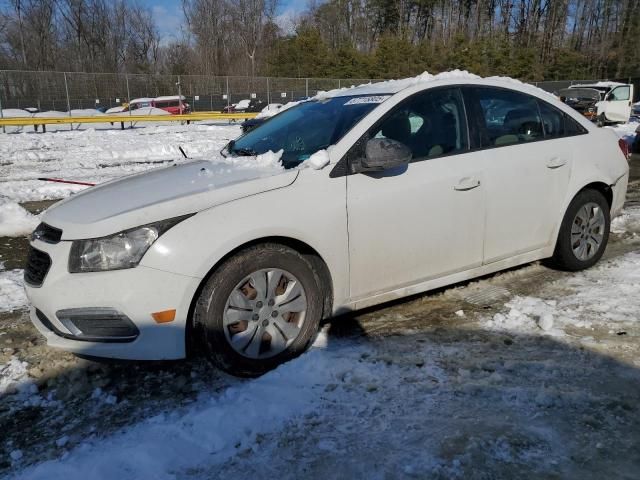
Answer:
(65, 91)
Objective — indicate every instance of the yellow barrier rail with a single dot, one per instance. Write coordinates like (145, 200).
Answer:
(122, 118)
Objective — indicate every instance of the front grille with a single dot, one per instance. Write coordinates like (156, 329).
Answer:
(47, 233)
(38, 264)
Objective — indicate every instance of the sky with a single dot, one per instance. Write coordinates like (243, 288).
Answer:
(170, 18)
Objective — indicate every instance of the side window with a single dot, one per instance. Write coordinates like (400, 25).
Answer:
(552, 120)
(509, 117)
(572, 127)
(431, 124)
(620, 93)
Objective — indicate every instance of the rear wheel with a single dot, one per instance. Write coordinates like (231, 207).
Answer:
(584, 232)
(259, 309)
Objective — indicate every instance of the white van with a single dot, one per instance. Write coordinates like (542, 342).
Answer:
(616, 101)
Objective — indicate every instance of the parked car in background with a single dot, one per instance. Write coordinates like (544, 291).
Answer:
(414, 186)
(606, 102)
(266, 113)
(582, 100)
(245, 105)
(174, 104)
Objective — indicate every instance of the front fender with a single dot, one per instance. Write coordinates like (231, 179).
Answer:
(196, 245)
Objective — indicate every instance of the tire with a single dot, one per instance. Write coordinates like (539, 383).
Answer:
(601, 120)
(232, 286)
(573, 236)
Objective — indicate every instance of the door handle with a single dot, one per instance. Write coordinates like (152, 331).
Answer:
(556, 162)
(467, 183)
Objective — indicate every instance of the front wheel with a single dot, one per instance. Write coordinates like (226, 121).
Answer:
(259, 309)
(584, 232)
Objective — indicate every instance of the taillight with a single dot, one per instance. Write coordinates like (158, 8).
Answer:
(624, 146)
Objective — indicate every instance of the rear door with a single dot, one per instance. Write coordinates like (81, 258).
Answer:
(617, 104)
(526, 174)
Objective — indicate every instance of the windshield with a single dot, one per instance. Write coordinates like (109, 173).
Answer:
(306, 128)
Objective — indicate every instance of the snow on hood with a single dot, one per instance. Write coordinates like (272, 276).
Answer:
(165, 193)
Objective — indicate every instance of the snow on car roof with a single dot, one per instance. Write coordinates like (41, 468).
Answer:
(390, 87)
(598, 84)
(170, 97)
(141, 100)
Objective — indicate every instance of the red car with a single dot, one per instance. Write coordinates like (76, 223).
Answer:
(173, 104)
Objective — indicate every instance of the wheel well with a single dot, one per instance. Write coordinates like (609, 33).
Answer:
(603, 188)
(304, 249)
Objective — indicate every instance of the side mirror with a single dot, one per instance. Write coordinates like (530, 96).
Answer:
(383, 154)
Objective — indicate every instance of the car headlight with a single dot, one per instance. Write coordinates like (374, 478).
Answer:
(121, 250)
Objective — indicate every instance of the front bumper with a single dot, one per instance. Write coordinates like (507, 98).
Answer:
(136, 293)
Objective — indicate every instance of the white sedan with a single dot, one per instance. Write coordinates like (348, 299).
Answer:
(428, 183)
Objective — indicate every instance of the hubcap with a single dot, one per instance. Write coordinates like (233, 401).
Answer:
(264, 313)
(587, 231)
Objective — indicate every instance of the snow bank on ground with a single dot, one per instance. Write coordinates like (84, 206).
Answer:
(15, 113)
(216, 429)
(12, 375)
(15, 221)
(596, 302)
(12, 295)
(79, 112)
(148, 111)
(627, 222)
(96, 156)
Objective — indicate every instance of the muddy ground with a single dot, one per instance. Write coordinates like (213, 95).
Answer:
(73, 399)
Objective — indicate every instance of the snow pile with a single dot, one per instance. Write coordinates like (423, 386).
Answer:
(628, 222)
(148, 111)
(80, 112)
(12, 376)
(15, 221)
(596, 302)
(317, 161)
(15, 113)
(119, 109)
(12, 296)
(265, 160)
(96, 156)
(526, 314)
(217, 428)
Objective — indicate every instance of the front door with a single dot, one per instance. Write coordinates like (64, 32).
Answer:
(617, 104)
(425, 220)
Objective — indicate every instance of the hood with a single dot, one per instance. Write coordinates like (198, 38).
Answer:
(160, 194)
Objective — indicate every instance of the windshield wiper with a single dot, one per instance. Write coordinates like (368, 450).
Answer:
(245, 152)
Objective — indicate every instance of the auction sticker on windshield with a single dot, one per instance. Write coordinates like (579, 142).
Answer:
(372, 99)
